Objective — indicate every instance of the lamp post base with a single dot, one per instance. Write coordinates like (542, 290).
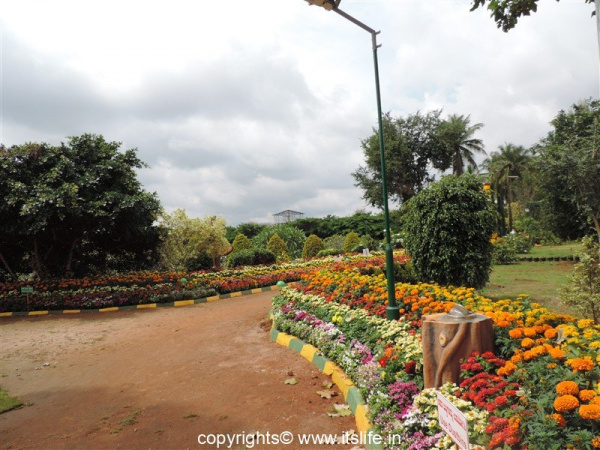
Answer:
(392, 312)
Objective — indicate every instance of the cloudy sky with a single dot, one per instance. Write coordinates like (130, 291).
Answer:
(246, 108)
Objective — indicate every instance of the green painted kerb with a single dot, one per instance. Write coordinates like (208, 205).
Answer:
(296, 345)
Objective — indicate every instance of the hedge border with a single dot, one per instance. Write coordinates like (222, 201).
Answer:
(350, 392)
(143, 306)
(548, 258)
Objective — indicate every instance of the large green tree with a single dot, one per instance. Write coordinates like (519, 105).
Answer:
(58, 201)
(506, 168)
(457, 134)
(412, 147)
(569, 166)
(506, 13)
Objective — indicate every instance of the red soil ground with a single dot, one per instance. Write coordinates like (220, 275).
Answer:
(157, 379)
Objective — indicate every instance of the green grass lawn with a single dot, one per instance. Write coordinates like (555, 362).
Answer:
(541, 281)
(548, 251)
(7, 402)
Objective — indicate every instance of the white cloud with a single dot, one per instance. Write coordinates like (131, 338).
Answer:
(248, 108)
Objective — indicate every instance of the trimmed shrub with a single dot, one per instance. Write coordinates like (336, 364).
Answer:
(278, 247)
(241, 242)
(293, 237)
(448, 228)
(405, 273)
(335, 242)
(312, 246)
(329, 252)
(251, 257)
(351, 242)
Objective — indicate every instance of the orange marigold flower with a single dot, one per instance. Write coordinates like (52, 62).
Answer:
(551, 366)
(567, 388)
(581, 364)
(529, 332)
(556, 353)
(595, 401)
(539, 329)
(566, 403)
(586, 395)
(559, 419)
(508, 369)
(527, 343)
(596, 442)
(516, 333)
(550, 334)
(590, 412)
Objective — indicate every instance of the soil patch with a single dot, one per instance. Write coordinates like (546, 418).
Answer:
(157, 379)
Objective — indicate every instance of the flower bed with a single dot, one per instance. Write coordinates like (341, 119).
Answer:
(148, 287)
(541, 388)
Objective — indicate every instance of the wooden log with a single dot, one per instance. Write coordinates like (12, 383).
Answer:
(449, 338)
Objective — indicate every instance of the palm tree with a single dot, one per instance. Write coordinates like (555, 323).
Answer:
(457, 134)
(510, 162)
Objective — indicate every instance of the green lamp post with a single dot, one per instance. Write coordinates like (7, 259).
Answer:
(392, 311)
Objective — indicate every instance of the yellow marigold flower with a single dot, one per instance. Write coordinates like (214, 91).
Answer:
(551, 366)
(516, 333)
(527, 343)
(550, 334)
(567, 388)
(581, 364)
(566, 403)
(584, 323)
(595, 345)
(590, 412)
(559, 419)
(586, 395)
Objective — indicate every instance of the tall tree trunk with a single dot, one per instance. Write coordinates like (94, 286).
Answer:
(70, 258)
(8, 269)
(36, 258)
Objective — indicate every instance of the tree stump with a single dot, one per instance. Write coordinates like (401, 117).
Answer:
(448, 338)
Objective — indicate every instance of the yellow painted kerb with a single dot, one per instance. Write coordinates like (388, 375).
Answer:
(183, 302)
(256, 291)
(38, 313)
(146, 306)
(329, 368)
(114, 308)
(214, 298)
(341, 381)
(71, 311)
(6, 314)
(284, 339)
(360, 416)
(235, 294)
(308, 351)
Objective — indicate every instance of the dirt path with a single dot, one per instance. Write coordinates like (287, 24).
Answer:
(157, 379)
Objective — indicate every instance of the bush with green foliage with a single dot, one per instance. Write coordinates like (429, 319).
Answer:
(312, 246)
(335, 242)
(519, 242)
(292, 236)
(405, 273)
(448, 228)
(367, 241)
(251, 257)
(536, 232)
(329, 252)
(583, 291)
(241, 242)
(278, 247)
(351, 242)
(503, 253)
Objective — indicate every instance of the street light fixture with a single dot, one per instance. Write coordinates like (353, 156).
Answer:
(392, 310)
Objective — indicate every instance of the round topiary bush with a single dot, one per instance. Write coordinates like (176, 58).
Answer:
(312, 246)
(278, 247)
(241, 242)
(351, 242)
(251, 257)
(448, 228)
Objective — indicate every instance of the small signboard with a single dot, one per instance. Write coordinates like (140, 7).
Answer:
(453, 422)
(366, 252)
(26, 290)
